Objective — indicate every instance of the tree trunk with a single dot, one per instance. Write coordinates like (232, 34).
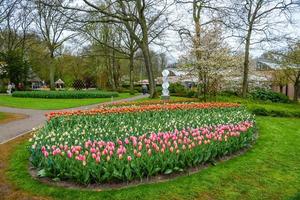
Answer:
(144, 45)
(281, 88)
(113, 69)
(148, 64)
(131, 57)
(197, 48)
(246, 66)
(296, 91)
(52, 71)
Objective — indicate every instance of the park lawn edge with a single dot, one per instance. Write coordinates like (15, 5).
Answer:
(55, 104)
(20, 177)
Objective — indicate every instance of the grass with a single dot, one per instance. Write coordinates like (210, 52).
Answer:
(285, 109)
(52, 104)
(270, 170)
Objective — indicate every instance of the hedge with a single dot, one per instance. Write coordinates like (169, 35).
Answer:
(268, 95)
(261, 111)
(65, 94)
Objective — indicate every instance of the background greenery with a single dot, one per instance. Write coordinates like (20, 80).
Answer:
(52, 104)
(65, 94)
(270, 170)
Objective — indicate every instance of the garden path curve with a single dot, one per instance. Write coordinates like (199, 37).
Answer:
(36, 118)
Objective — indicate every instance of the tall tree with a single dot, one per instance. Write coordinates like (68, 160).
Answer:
(116, 44)
(200, 9)
(252, 22)
(149, 15)
(52, 23)
(15, 21)
(291, 66)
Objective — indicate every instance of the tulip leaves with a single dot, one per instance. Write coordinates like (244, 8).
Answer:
(120, 147)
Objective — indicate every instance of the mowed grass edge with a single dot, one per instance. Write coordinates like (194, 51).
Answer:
(53, 104)
(270, 170)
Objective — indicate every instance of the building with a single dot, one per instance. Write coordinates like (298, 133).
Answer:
(270, 68)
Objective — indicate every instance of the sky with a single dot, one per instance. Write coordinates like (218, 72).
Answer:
(174, 47)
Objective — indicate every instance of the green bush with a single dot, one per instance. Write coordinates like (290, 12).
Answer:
(228, 93)
(178, 89)
(65, 94)
(268, 95)
(191, 94)
(78, 84)
(261, 111)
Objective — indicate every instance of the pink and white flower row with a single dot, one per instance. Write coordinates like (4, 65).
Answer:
(134, 147)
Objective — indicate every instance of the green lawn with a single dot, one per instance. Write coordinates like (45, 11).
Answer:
(52, 104)
(270, 170)
(285, 109)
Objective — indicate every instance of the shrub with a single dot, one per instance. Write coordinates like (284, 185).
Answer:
(65, 94)
(273, 112)
(260, 111)
(177, 89)
(123, 145)
(228, 93)
(191, 94)
(78, 84)
(268, 95)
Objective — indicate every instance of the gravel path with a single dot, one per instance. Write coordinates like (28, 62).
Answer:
(36, 118)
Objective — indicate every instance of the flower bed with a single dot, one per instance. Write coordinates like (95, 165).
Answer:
(151, 102)
(143, 108)
(122, 144)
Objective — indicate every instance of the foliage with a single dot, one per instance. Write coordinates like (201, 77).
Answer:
(275, 154)
(268, 95)
(78, 84)
(264, 108)
(153, 101)
(65, 94)
(124, 146)
(16, 67)
(54, 104)
(178, 89)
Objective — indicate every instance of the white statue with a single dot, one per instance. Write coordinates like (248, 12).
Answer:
(165, 85)
(9, 88)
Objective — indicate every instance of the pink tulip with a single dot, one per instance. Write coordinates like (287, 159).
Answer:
(46, 154)
(129, 158)
(69, 154)
(126, 141)
(140, 147)
(98, 159)
(149, 152)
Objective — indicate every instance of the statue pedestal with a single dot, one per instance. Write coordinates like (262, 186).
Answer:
(165, 97)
